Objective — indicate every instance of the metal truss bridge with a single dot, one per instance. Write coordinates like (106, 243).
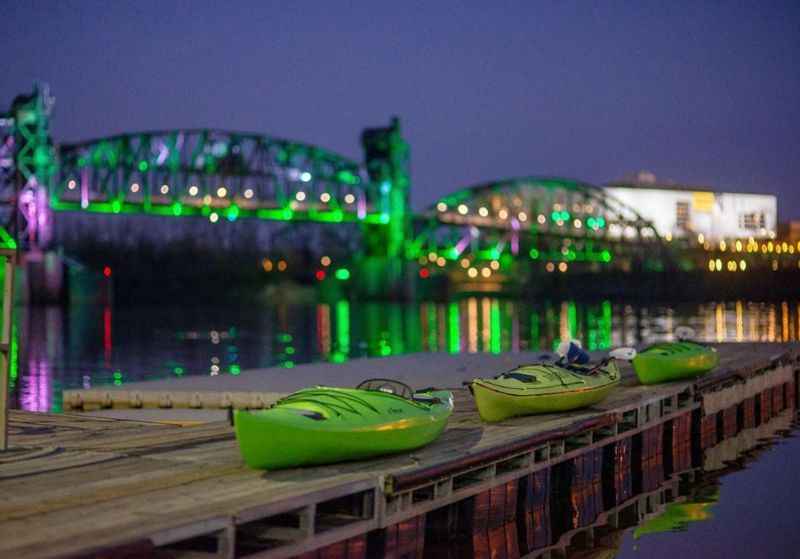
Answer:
(490, 232)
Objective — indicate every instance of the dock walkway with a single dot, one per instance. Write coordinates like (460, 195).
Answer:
(76, 484)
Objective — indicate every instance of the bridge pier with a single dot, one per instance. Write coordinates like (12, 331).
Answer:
(46, 278)
(43, 278)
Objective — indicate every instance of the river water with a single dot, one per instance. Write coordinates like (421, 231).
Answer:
(88, 346)
(743, 508)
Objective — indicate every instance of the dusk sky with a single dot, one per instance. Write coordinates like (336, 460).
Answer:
(697, 92)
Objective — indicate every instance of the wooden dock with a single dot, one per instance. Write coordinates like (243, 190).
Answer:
(76, 485)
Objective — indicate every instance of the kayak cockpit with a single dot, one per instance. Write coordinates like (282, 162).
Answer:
(390, 386)
(522, 377)
(397, 388)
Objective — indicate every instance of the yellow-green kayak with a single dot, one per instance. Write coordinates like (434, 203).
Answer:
(668, 361)
(543, 388)
(324, 425)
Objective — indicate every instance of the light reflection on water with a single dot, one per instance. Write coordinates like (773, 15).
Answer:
(85, 346)
(730, 494)
(739, 503)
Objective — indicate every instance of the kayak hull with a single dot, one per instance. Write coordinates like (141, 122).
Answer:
(293, 434)
(674, 361)
(499, 399)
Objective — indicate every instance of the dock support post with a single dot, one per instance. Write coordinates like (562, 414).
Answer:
(8, 257)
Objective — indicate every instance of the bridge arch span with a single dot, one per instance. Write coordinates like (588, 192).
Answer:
(560, 223)
(218, 174)
(544, 203)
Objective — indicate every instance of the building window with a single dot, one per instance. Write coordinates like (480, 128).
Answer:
(753, 221)
(682, 215)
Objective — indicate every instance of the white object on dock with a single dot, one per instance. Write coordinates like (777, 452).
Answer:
(623, 353)
(685, 333)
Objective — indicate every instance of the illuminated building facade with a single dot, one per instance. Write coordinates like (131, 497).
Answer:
(684, 211)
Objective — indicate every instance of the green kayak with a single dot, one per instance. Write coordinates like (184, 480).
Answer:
(543, 388)
(324, 425)
(668, 361)
(677, 516)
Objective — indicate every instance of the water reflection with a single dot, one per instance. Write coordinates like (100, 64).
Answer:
(607, 501)
(85, 346)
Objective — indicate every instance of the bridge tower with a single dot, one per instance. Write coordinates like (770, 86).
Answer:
(30, 167)
(386, 155)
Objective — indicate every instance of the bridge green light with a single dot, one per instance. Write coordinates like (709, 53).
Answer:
(534, 254)
(41, 156)
(342, 274)
(606, 256)
(342, 332)
(454, 337)
(143, 165)
(334, 216)
(232, 212)
(177, 208)
(494, 327)
(347, 177)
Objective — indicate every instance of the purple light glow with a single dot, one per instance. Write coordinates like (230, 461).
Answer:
(85, 188)
(37, 386)
(462, 245)
(361, 209)
(515, 236)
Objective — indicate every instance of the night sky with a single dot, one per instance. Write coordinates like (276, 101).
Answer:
(698, 92)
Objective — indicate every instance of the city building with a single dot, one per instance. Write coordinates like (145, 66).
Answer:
(790, 231)
(678, 210)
